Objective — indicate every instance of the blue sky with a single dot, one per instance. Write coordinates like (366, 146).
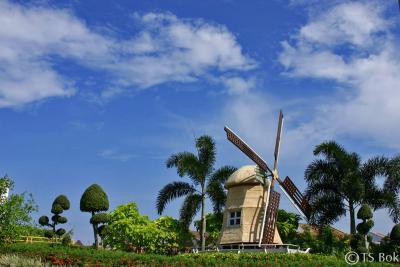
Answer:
(104, 91)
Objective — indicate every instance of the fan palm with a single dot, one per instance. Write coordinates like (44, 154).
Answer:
(204, 182)
(339, 182)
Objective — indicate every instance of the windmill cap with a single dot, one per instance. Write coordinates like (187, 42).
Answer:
(245, 175)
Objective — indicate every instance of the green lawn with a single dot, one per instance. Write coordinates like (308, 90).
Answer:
(83, 256)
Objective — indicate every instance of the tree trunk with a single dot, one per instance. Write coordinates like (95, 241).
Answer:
(96, 239)
(352, 218)
(203, 224)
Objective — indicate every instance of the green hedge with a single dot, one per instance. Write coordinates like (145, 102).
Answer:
(84, 256)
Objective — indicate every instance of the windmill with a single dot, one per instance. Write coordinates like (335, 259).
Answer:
(271, 204)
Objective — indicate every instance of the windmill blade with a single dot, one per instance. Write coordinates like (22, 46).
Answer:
(271, 217)
(278, 139)
(295, 196)
(246, 149)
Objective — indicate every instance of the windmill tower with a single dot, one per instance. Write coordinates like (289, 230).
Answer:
(252, 203)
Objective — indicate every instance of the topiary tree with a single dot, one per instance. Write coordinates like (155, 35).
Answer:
(365, 214)
(60, 204)
(95, 200)
(395, 235)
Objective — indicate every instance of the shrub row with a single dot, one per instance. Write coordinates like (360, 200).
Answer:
(83, 256)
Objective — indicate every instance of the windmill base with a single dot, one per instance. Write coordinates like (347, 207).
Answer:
(263, 248)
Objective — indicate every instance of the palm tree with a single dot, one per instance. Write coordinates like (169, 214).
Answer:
(392, 189)
(339, 182)
(205, 182)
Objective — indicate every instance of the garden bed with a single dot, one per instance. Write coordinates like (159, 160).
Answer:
(83, 256)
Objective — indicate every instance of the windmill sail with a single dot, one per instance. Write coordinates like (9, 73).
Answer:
(297, 197)
(239, 143)
(271, 216)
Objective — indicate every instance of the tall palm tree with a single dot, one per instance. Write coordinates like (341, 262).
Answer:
(392, 189)
(205, 182)
(339, 182)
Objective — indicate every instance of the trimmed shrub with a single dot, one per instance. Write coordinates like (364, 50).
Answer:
(95, 200)
(60, 204)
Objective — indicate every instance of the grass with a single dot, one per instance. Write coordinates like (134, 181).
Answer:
(59, 255)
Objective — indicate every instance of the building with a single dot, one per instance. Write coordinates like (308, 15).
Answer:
(244, 208)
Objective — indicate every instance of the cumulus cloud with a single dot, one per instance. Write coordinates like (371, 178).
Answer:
(351, 44)
(165, 49)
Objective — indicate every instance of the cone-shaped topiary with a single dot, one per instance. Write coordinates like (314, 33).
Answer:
(95, 200)
(63, 201)
(60, 204)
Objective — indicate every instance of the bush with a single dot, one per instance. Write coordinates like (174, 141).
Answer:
(66, 240)
(20, 261)
(15, 212)
(128, 230)
(83, 256)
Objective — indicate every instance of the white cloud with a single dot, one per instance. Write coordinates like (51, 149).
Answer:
(238, 85)
(166, 49)
(113, 154)
(352, 45)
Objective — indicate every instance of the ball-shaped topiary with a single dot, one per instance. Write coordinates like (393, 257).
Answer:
(63, 201)
(56, 209)
(94, 199)
(100, 218)
(44, 220)
(364, 213)
(363, 228)
(395, 233)
(60, 231)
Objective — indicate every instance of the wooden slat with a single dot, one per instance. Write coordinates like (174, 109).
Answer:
(270, 219)
(296, 196)
(247, 150)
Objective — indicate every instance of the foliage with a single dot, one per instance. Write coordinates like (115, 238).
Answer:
(60, 204)
(128, 230)
(287, 224)
(339, 182)
(66, 240)
(359, 242)
(205, 182)
(95, 200)
(83, 256)
(15, 212)
(395, 234)
(214, 225)
(100, 218)
(20, 261)
(324, 241)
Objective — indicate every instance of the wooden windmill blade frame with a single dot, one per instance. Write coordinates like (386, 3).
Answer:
(272, 216)
(295, 196)
(246, 149)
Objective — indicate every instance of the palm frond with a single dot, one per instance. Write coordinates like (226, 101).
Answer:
(170, 192)
(327, 209)
(191, 205)
(217, 195)
(331, 150)
(186, 163)
(222, 174)
(206, 148)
